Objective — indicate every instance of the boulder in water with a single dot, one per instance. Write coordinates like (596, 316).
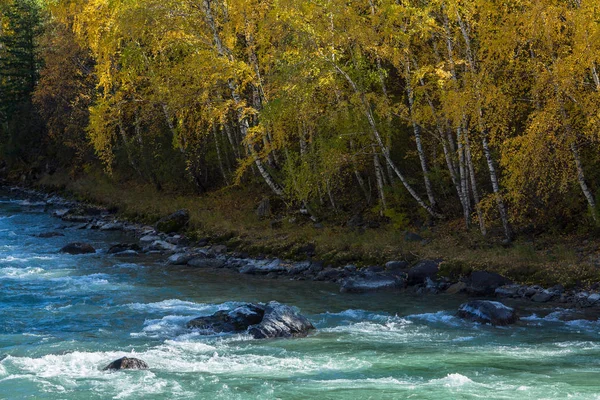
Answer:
(47, 235)
(262, 321)
(280, 320)
(78, 248)
(486, 311)
(126, 363)
(174, 222)
(234, 321)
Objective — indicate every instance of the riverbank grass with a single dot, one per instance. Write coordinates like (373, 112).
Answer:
(228, 216)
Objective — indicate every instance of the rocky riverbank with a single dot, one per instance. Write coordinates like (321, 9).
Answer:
(165, 240)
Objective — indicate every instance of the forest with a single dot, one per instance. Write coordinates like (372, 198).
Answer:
(484, 112)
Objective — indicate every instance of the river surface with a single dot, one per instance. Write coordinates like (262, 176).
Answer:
(63, 318)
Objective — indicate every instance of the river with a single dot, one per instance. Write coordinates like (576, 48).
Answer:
(63, 318)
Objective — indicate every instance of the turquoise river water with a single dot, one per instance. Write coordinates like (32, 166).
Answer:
(63, 318)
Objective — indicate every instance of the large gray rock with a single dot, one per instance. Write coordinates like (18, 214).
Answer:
(543, 296)
(330, 274)
(180, 258)
(486, 311)
(174, 222)
(124, 247)
(262, 321)
(484, 283)
(126, 363)
(234, 321)
(78, 248)
(371, 283)
(263, 269)
(423, 270)
(280, 320)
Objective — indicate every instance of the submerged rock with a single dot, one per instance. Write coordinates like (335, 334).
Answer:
(78, 248)
(174, 222)
(47, 235)
(262, 321)
(486, 311)
(126, 363)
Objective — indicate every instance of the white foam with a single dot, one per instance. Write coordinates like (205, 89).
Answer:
(176, 305)
(440, 317)
(453, 380)
(21, 273)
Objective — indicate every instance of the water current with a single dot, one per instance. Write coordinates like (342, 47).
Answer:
(63, 318)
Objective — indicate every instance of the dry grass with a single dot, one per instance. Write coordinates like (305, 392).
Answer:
(227, 216)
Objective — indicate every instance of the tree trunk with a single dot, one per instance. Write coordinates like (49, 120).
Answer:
(384, 149)
(582, 183)
(242, 118)
(417, 133)
(379, 178)
(496, 187)
(219, 159)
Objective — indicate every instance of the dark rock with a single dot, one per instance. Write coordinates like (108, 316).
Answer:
(483, 283)
(234, 321)
(329, 274)
(486, 311)
(374, 268)
(111, 226)
(543, 296)
(146, 239)
(78, 248)
(174, 222)
(181, 258)
(423, 270)
(177, 240)
(203, 262)
(77, 218)
(318, 225)
(126, 363)
(219, 249)
(264, 208)
(261, 321)
(123, 247)
(371, 283)
(280, 320)
(47, 235)
(458, 287)
(350, 269)
(396, 265)
(299, 268)
(161, 245)
(316, 267)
